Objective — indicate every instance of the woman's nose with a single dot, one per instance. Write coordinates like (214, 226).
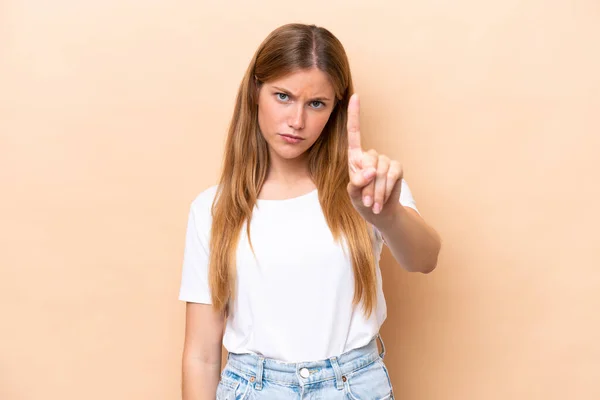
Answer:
(296, 119)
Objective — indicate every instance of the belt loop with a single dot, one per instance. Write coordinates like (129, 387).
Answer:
(259, 373)
(339, 384)
(382, 354)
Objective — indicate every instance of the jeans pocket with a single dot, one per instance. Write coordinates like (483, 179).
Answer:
(232, 387)
(226, 390)
(371, 382)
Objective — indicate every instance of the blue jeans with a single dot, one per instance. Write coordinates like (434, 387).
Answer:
(359, 374)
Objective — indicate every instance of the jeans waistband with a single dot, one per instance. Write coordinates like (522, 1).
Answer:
(256, 368)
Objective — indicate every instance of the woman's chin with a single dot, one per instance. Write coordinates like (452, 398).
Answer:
(289, 154)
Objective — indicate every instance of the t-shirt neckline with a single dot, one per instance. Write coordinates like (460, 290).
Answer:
(288, 200)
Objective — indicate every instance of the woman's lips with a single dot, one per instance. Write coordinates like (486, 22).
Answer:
(291, 139)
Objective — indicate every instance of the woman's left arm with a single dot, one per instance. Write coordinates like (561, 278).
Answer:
(374, 189)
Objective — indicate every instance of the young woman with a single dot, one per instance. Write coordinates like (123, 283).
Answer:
(281, 257)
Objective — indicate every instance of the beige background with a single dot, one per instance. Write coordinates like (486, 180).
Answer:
(113, 116)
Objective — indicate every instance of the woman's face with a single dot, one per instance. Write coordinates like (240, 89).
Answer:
(293, 110)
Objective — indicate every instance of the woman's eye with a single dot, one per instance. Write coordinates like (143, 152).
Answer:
(317, 104)
(282, 96)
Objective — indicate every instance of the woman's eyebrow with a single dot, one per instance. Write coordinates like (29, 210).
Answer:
(318, 98)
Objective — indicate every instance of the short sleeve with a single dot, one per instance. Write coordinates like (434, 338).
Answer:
(194, 278)
(406, 197)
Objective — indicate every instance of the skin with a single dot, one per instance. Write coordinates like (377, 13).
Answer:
(298, 104)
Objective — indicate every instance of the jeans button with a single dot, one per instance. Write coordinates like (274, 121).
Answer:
(304, 373)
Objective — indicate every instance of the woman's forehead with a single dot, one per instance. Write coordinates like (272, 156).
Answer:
(306, 82)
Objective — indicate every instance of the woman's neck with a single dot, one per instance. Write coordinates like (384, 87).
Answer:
(288, 173)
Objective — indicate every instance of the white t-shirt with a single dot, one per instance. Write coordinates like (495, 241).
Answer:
(293, 302)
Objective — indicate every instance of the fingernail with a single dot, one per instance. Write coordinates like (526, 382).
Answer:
(367, 201)
(376, 208)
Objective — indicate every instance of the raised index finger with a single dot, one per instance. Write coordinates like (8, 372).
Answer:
(354, 124)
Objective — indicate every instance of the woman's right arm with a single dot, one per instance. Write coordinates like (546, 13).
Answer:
(201, 361)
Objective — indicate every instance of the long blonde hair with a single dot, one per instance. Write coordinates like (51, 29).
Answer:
(287, 49)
